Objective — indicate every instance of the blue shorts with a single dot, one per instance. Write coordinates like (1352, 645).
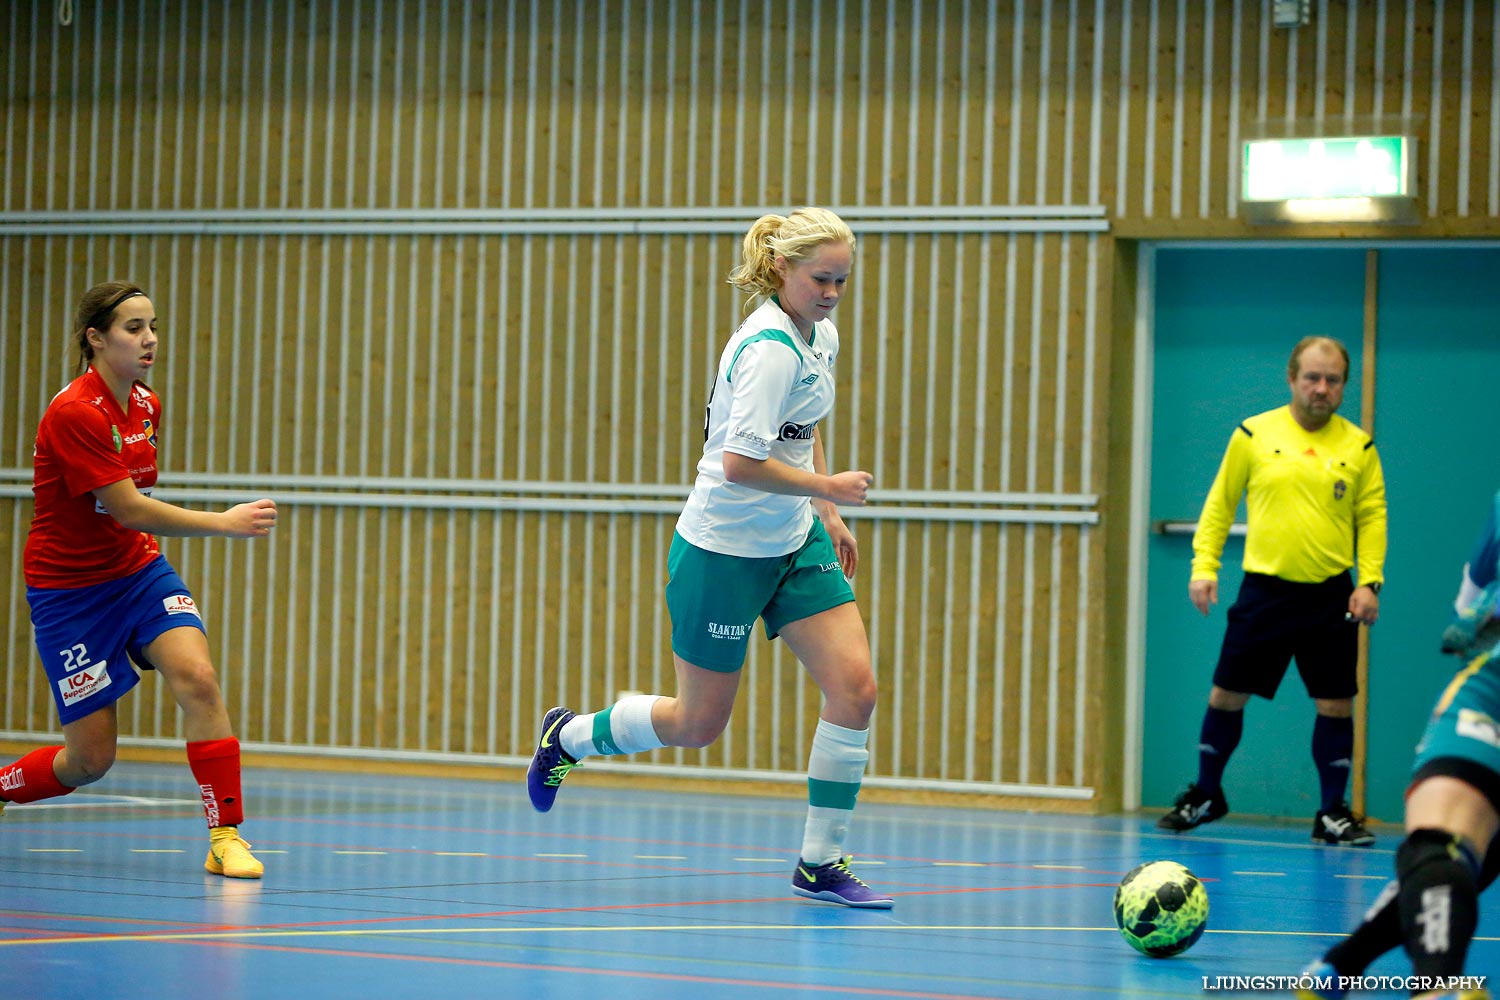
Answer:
(85, 633)
(1463, 736)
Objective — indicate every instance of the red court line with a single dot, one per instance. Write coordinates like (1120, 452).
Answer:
(598, 838)
(627, 865)
(575, 970)
(41, 932)
(90, 918)
(695, 869)
(532, 834)
(613, 908)
(428, 852)
(166, 926)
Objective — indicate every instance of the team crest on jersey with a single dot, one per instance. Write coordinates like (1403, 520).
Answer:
(150, 431)
(1339, 488)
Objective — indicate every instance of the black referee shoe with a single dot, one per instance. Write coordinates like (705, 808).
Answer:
(1194, 808)
(1339, 826)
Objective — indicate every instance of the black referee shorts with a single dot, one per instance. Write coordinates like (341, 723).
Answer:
(1274, 620)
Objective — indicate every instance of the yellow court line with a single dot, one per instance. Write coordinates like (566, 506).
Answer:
(1376, 878)
(959, 864)
(55, 850)
(249, 935)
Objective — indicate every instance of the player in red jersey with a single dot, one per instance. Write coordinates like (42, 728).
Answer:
(100, 589)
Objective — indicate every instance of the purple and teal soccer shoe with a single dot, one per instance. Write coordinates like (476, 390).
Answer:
(835, 883)
(549, 765)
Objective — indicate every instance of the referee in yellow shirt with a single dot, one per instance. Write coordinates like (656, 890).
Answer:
(1314, 487)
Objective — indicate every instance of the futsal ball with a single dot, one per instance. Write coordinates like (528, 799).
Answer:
(1161, 908)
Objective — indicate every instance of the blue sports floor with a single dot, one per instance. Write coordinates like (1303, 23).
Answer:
(381, 886)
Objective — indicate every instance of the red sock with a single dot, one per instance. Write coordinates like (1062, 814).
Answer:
(216, 767)
(32, 778)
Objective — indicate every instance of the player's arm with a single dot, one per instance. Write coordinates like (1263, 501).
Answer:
(1370, 540)
(1483, 568)
(827, 509)
(761, 377)
(838, 532)
(136, 511)
(771, 475)
(1215, 519)
(1474, 628)
(1370, 520)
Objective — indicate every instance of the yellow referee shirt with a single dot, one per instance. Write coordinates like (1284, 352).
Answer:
(1311, 494)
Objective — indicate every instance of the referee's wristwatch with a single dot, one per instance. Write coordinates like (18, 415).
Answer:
(1374, 587)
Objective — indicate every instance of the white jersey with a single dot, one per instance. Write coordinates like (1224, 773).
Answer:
(773, 387)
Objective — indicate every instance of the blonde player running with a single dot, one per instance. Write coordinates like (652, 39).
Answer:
(748, 546)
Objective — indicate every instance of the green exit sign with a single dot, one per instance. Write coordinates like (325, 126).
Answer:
(1372, 166)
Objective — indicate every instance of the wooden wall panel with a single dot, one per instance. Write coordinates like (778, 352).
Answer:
(390, 347)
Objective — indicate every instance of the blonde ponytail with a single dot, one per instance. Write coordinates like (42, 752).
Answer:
(794, 237)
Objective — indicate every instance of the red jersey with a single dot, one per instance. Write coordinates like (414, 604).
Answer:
(85, 442)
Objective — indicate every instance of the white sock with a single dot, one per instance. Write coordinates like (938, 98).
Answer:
(624, 727)
(834, 770)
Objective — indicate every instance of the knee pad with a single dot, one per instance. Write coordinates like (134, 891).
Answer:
(1430, 847)
(1438, 901)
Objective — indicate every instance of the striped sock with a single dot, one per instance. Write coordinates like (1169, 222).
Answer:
(834, 770)
(624, 727)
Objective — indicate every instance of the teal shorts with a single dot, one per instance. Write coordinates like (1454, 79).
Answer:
(1463, 736)
(714, 598)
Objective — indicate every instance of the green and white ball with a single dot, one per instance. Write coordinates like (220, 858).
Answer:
(1161, 908)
